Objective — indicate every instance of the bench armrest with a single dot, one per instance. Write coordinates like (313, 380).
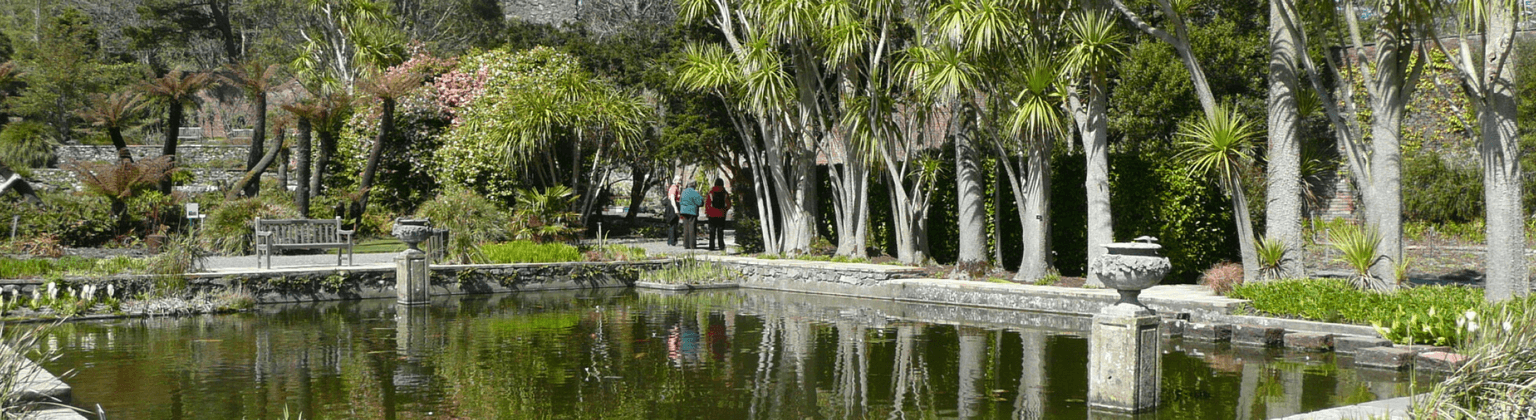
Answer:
(346, 233)
(263, 233)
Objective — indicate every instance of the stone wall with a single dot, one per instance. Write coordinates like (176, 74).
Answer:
(212, 166)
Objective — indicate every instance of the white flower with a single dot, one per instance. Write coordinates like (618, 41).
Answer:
(1471, 315)
(1472, 327)
(1507, 326)
(109, 290)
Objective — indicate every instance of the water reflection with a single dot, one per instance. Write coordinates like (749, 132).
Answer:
(621, 354)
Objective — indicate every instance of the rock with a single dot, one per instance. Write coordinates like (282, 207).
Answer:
(1208, 332)
(1440, 361)
(1393, 358)
(1311, 342)
(1258, 336)
(1351, 344)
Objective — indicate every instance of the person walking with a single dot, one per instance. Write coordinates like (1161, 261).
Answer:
(688, 206)
(674, 193)
(715, 206)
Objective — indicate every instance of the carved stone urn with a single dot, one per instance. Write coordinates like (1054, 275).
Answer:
(1130, 267)
(411, 231)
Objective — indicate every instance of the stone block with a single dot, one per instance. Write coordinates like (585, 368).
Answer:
(1124, 363)
(1440, 361)
(1420, 348)
(1208, 332)
(1351, 344)
(1312, 342)
(1174, 327)
(1250, 335)
(1392, 358)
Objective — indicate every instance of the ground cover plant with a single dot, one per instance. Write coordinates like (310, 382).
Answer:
(1437, 315)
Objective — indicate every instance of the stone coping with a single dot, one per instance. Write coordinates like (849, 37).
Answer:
(822, 265)
(39, 386)
(1391, 408)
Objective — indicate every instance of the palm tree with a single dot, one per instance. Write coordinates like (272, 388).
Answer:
(175, 90)
(1222, 146)
(331, 110)
(113, 112)
(256, 80)
(1096, 46)
(387, 86)
(279, 128)
(1037, 121)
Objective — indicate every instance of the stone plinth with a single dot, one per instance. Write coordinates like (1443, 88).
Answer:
(411, 277)
(1124, 364)
(411, 334)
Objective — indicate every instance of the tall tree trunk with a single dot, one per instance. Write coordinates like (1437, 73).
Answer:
(1094, 123)
(301, 162)
(850, 191)
(116, 134)
(386, 130)
(799, 211)
(1036, 215)
(1244, 223)
(172, 130)
(254, 173)
(971, 212)
(1502, 175)
(1282, 221)
(283, 157)
(1384, 208)
(258, 142)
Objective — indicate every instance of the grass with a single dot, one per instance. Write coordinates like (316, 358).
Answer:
(531, 252)
(377, 245)
(612, 252)
(21, 345)
(14, 268)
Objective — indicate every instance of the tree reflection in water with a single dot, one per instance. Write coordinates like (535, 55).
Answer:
(617, 354)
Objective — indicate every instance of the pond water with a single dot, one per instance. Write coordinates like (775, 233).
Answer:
(624, 354)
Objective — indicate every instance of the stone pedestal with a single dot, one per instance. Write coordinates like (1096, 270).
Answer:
(411, 336)
(1124, 363)
(411, 277)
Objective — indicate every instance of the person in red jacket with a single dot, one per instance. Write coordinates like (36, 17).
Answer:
(715, 205)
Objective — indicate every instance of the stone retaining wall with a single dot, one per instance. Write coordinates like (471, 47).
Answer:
(187, 154)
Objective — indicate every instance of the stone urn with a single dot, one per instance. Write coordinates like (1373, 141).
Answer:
(411, 231)
(1130, 267)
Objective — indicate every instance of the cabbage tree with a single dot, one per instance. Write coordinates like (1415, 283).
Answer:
(1220, 146)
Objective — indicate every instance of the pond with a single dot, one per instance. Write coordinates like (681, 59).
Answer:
(626, 354)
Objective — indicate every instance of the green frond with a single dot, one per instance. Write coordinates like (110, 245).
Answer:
(1218, 145)
(1097, 43)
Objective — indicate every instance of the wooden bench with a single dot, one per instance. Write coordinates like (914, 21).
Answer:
(189, 133)
(280, 234)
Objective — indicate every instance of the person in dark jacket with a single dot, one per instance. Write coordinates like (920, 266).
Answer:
(688, 207)
(715, 205)
(674, 193)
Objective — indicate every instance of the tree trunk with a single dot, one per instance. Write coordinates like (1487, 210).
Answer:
(799, 210)
(637, 187)
(1244, 231)
(301, 163)
(1036, 215)
(850, 191)
(1384, 210)
(116, 134)
(172, 130)
(1502, 175)
(1095, 128)
(971, 212)
(322, 161)
(258, 142)
(254, 173)
(1283, 195)
(283, 157)
(386, 129)
(19, 184)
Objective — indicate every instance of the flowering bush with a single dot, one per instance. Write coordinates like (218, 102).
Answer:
(404, 177)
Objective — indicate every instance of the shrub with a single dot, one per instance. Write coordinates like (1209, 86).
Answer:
(74, 220)
(26, 145)
(544, 215)
(1439, 191)
(749, 235)
(1271, 254)
(227, 230)
(12, 268)
(530, 252)
(471, 219)
(1357, 248)
(615, 253)
(1222, 277)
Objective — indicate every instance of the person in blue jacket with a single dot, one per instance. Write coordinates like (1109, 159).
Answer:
(688, 207)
